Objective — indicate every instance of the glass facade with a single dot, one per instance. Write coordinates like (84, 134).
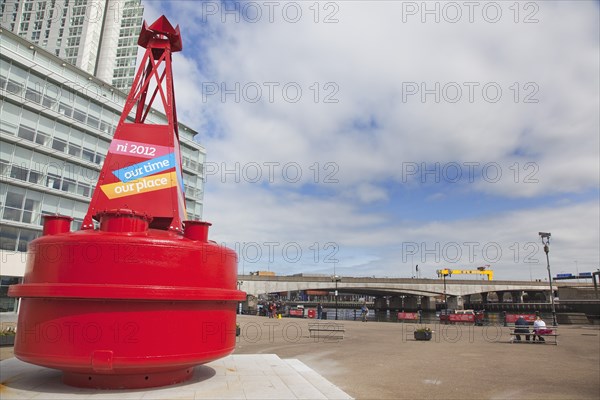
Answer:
(98, 36)
(127, 48)
(56, 127)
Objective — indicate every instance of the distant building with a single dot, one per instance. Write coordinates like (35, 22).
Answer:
(57, 122)
(98, 36)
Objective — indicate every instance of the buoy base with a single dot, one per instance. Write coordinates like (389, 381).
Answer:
(133, 381)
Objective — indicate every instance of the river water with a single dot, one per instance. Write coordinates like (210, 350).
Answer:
(426, 316)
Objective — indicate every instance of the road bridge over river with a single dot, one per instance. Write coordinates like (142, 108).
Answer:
(456, 290)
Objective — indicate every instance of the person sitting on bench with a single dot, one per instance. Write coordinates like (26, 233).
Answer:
(521, 326)
(539, 327)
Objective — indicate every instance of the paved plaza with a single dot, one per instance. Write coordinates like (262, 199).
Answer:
(383, 361)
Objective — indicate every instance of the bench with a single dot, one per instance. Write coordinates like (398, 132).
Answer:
(327, 331)
(406, 316)
(554, 336)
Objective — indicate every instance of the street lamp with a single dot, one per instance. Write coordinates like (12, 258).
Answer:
(445, 300)
(239, 285)
(443, 273)
(336, 279)
(545, 236)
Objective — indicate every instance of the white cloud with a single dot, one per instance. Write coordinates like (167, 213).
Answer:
(369, 61)
(367, 193)
(372, 58)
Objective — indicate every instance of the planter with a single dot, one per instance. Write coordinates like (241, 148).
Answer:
(423, 335)
(7, 340)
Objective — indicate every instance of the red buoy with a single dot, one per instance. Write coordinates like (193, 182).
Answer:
(144, 297)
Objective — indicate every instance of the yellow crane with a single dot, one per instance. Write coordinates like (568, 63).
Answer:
(479, 271)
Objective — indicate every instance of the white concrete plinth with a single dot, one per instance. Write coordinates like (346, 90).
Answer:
(262, 376)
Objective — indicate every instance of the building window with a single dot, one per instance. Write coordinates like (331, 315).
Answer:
(4, 167)
(74, 150)
(71, 52)
(9, 237)
(26, 236)
(34, 177)
(68, 185)
(14, 87)
(76, 31)
(65, 109)
(7, 304)
(92, 121)
(26, 133)
(13, 206)
(33, 95)
(53, 181)
(73, 41)
(49, 102)
(16, 239)
(30, 210)
(83, 190)
(58, 144)
(19, 173)
(88, 155)
(78, 115)
(77, 21)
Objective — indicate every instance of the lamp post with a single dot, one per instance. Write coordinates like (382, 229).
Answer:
(545, 236)
(445, 300)
(443, 273)
(239, 285)
(336, 279)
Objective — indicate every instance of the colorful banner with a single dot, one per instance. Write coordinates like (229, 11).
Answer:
(137, 149)
(146, 168)
(143, 185)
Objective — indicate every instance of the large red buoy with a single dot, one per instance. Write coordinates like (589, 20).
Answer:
(144, 297)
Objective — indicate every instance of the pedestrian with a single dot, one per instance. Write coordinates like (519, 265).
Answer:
(364, 312)
(319, 311)
(521, 326)
(539, 326)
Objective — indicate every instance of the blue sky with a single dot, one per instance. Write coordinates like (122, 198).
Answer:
(370, 136)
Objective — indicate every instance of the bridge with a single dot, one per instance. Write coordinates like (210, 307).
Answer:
(457, 291)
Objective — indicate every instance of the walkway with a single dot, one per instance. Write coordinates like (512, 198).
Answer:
(382, 360)
(263, 376)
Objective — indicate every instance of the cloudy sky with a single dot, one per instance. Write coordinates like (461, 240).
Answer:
(372, 136)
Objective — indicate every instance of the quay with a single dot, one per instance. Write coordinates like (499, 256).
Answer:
(383, 361)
